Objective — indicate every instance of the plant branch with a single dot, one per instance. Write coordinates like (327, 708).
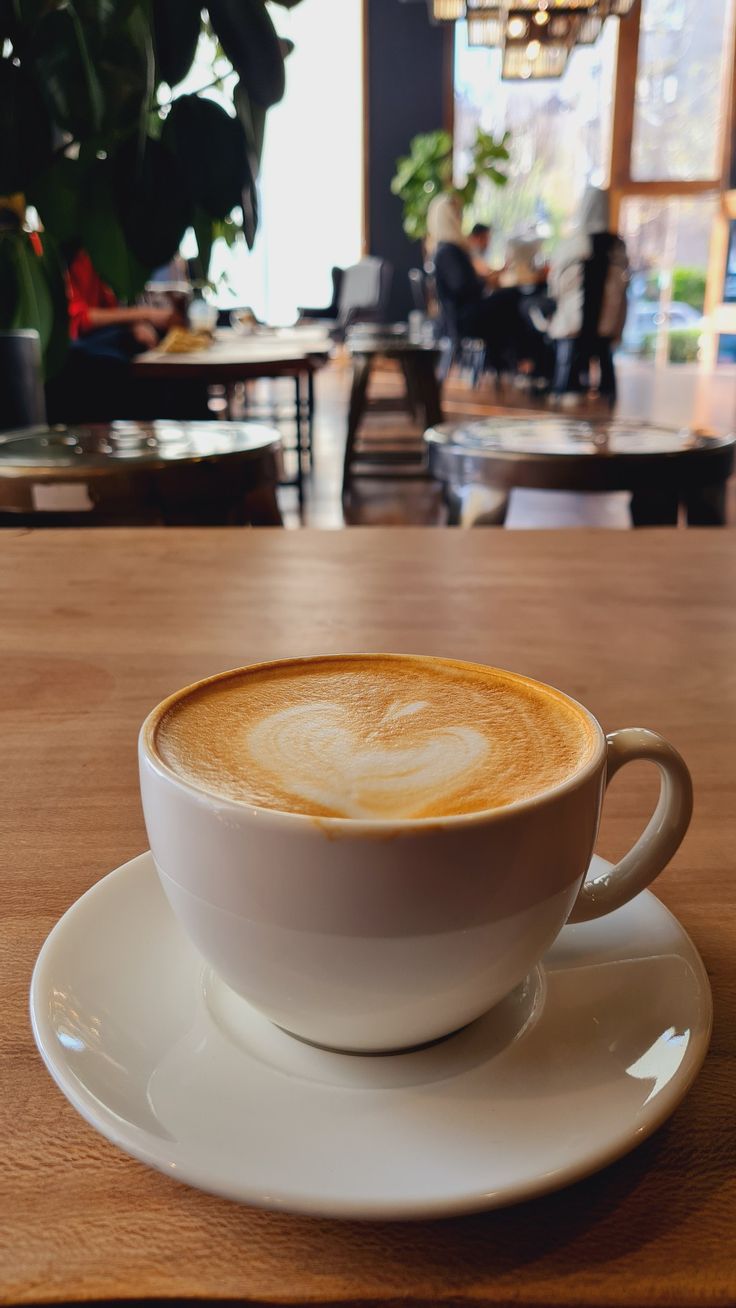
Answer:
(208, 86)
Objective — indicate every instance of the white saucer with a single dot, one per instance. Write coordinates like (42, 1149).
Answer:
(578, 1066)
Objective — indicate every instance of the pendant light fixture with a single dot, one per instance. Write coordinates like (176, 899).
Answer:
(535, 36)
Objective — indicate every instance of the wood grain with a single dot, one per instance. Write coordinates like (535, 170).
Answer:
(97, 627)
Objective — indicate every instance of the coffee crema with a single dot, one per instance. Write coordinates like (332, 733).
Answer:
(373, 737)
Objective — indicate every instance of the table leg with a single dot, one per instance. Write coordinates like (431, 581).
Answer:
(475, 506)
(654, 508)
(310, 415)
(299, 440)
(362, 364)
(412, 394)
(260, 507)
(421, 364)
(706, 506)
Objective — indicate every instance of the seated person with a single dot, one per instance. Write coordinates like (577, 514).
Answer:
(478, 242)
(95, 383)
(94, 308)
(522, 266)
(467, 309)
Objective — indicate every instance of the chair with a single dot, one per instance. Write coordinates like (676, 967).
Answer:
(419, 290)
(467, 351)
(21, 381)
(364, 292)
(331, 310)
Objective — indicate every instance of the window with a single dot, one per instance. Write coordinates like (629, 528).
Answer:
(679, 90)
(312, 171)
(668, 243)
(560, 133)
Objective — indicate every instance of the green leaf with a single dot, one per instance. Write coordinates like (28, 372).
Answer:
(203, 230)
(9, 285)
(103, 237)
(57, 343)
(35, 307)
(211, 148)
(249, 203)
(128, 67)
(8, 22)
(152, 201)
(105, 13)
(176, 28)
(33, 295)
(428, 170)
(59, 196)
(248, 37)
(227, 230)
(25, 130)
(66, 73)
(253, 119)
(29, 12)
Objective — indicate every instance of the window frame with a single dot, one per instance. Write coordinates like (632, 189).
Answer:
(623, 185)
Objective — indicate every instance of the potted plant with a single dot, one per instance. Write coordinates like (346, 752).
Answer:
(427, 171)
(98, 142)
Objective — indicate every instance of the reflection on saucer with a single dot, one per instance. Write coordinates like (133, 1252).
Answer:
(439, 1061)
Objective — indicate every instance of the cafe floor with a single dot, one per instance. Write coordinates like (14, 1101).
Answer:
(673, 396)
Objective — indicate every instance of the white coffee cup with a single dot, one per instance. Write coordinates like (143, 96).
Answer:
(377, 935)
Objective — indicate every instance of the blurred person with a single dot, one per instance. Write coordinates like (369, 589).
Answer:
(95, 383)
(478, 242)
(468, 310)
(94, 308)
(522, 266)
(588, 281)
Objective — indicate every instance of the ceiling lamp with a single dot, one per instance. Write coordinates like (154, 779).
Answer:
(533, 50)
(485, 27)
(530, 6)
(446, 11)
(535, 36)
(589, 30)
(562, 28)
(547, 61)
(517, 27)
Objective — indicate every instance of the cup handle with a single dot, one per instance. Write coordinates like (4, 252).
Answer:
(662, 837)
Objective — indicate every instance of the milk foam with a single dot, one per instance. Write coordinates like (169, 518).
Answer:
(315, 753)
(373, 737)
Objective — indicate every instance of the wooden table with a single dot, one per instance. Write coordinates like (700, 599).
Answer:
(141, 473)
(662, 467)
(294, 353)
(419, 365)
(98, 626)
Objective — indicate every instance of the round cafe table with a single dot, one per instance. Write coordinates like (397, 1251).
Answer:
(132, 473)
(663, 468)
(293, 354)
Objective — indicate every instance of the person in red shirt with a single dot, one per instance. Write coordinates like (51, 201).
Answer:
(95, 383)
(93, 307)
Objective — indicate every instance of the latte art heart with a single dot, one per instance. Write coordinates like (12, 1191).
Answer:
(373, 737)
(315, 753)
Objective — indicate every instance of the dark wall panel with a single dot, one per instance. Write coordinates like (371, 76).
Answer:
(406, 77)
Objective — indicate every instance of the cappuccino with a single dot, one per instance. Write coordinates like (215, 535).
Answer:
(373, 737)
